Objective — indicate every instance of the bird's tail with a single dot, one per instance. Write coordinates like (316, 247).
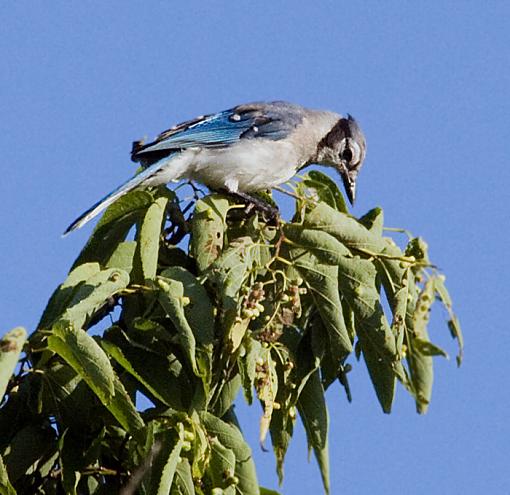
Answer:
(102, 204)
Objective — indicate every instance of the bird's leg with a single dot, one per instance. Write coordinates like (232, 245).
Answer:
(270, 213)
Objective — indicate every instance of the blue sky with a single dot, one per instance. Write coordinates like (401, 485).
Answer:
(429, 83)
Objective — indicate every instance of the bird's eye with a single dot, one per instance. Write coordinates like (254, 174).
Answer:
(347, 155)
(350, 153)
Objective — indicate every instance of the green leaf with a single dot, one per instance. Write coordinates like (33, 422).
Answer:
(199, 312)
(321, 353)
(122, 257)
(93, 294)
(324, 246)
(247, 362)
(149, 235)
(71, 460)
(159, 374)
(5, 485)
(281, 430)
(357, 280)
(373, 220)
(454, 327)
(267, 491)
(60, 298)
(183, 480)
(66, 396)
(171, 298)
(314, 414)
(420, 363)
(267, 389)
(228, 273)
(427, 348)
(222, 467)
(345, 228)
(230, 436)
(123, 410)
(418, 248)
(326, 189)
(86, 357)
(453, 323)
(114, 226)
(228, 395)
(28, 447)
(11, 346)
(321, 281)
(171, 459)
(208, 228)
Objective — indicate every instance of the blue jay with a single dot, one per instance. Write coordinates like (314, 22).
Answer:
(248, 148)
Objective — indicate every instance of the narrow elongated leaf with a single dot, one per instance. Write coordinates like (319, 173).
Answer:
(149, 235)
(456, 332)
(281, 430)
(420, 363)
(199, 312)
(266, 385)
(86, 357)
(171, 298)
(357, 280)
(71, 461)
(167, 474)
(124, 411)
(11, 346)
(208, 229)
(314, 414)
(114, 226)
(247, 363)
(291, 373)
(453, 323)
(329, 366)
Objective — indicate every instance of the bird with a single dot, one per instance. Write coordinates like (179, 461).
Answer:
(248, 148)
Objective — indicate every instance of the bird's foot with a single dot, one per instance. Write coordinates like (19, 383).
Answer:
(270, 214)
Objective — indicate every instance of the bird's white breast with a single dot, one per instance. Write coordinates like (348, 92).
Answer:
(249, 165)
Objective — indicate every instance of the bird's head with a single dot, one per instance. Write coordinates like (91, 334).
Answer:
(344, 148)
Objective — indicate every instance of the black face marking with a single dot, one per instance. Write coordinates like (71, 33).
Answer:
(341, 130)
(346, 130)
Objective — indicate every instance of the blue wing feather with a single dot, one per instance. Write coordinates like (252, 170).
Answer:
(255, 120)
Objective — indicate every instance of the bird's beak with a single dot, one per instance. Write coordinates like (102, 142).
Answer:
(349, 180)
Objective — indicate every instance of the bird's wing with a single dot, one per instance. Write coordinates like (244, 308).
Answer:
(255, 120)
